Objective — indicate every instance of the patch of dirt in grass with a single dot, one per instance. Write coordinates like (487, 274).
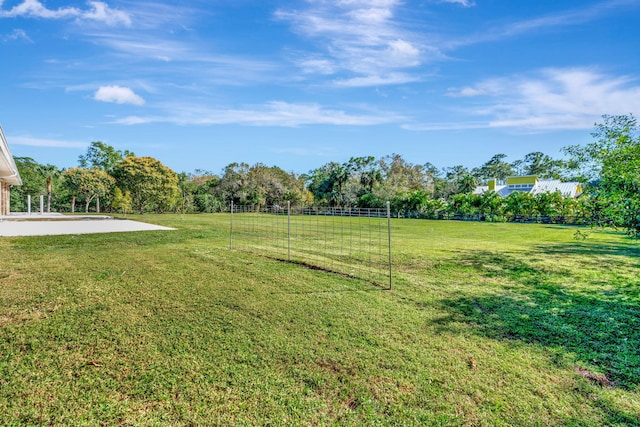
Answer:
(353, 403)
(471, 363)
(22, 316)
(335, 367)
(600, 379)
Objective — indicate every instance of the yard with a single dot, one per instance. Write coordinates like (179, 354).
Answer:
(486, 325)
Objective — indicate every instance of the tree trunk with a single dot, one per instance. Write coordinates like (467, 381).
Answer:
(97, 204)
(73, 204)
(49, 194)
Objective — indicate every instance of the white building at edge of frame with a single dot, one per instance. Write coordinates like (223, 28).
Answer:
(531, 184)
(9, 175)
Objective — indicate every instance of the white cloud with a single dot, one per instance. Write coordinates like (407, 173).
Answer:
(377, 80)
(464, 3)
(97, 11)
(371, 15)
(48, 143)
(317, 66)
(275, 113)
(566, 18)
(403, 52)
(193, 62)
(35, 9)
(15, 35)
(487, 87)
(468, 91)
(101, 12)
(117, 94)
(362, 39)
(135, 120)
(557, 98)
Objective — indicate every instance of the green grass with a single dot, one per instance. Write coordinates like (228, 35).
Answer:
(487, 325)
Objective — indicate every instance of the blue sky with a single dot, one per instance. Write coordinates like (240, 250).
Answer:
(299, 83)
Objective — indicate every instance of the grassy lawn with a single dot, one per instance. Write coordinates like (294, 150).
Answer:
(487, 325)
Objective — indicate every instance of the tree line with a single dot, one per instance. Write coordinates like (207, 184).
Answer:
(107, 179)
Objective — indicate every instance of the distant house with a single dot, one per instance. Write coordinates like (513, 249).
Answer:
(9, 175)
(531, 184)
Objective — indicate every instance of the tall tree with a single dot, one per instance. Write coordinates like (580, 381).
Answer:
(540, 164)
(612, 162)
(102, 156)
(50, 174)
(271, 186)
(620, 187)
(35, 178)
(433, 175)
(153, 186)
(402, 175)
(87, 185)
(453, 177)
(327, 183)
(234, 185)
(496, 167)
(121, 200)
(467, 184)
(203, 186)
(366, 172)
(613, 133)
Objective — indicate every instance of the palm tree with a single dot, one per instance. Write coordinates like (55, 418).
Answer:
(467, 184)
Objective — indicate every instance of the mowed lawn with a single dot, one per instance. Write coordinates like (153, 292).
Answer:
(486, 325)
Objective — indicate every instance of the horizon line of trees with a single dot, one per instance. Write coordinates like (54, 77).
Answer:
(112, 180)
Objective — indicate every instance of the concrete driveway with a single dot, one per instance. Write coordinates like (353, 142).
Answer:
(53, 224)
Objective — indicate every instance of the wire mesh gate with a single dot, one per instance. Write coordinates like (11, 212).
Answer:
(354, 242)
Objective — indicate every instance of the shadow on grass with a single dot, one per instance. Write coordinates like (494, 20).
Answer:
(616, 417)
(373, 284)
(632, 249)
(601, 328)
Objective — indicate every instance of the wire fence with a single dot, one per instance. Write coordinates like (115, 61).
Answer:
(348, 241)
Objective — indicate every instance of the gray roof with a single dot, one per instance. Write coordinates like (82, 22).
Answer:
(567, 189)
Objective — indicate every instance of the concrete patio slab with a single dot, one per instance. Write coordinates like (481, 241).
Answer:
(56, 224)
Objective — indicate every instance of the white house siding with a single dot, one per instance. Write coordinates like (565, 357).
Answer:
(9, 174)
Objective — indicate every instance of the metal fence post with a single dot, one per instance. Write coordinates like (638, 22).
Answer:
(231, 229)
(389, 234)
(289, 230)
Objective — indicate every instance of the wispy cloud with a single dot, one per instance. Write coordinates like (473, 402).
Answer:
(557, 98)
(464, 3)
(48, 143)
(164, 58)
(142, 46)
(561, 19)
(118, 94)
(360, 38)
(101, 12)
(388, 79)
(15, 35)
(275, 113)
(97, 11)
